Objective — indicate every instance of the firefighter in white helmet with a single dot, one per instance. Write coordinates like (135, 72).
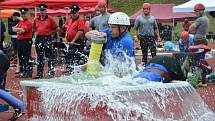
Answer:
(118, 42)
(118, 37)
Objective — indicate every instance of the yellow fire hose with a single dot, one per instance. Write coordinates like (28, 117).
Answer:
(93, 64)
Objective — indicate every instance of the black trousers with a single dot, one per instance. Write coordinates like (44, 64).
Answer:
(14, 44)
(43, 46)
(200, 41)
(1, 44)
(147, 42)
(172, 64)
(75, 55)
(24, 55)
(4, 66)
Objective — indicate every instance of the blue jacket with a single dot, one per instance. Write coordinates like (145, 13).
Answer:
(169, 46)
(183, 46)
(153, 76)
(123, 43)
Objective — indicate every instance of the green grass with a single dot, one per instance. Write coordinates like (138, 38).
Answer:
(212, 23)
(131, 6)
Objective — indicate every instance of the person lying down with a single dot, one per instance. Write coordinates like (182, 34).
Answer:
(162, 69)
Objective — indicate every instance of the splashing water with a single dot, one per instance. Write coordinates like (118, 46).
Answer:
(84, 100)
(80, 97)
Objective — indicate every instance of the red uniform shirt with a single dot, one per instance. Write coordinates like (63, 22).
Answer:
(26, 24)
(44, 27)
(73, 26)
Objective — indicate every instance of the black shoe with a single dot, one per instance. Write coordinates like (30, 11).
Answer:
(38, 77)
(17, 114)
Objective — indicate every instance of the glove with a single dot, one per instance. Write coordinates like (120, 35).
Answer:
(99, 38)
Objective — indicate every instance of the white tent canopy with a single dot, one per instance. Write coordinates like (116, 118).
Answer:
(189, 6)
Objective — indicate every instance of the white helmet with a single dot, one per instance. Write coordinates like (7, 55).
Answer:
(119, 18)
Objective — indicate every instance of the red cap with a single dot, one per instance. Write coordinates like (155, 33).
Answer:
(199, 6)
(146, 5)
(184, 36)
(102, 3)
